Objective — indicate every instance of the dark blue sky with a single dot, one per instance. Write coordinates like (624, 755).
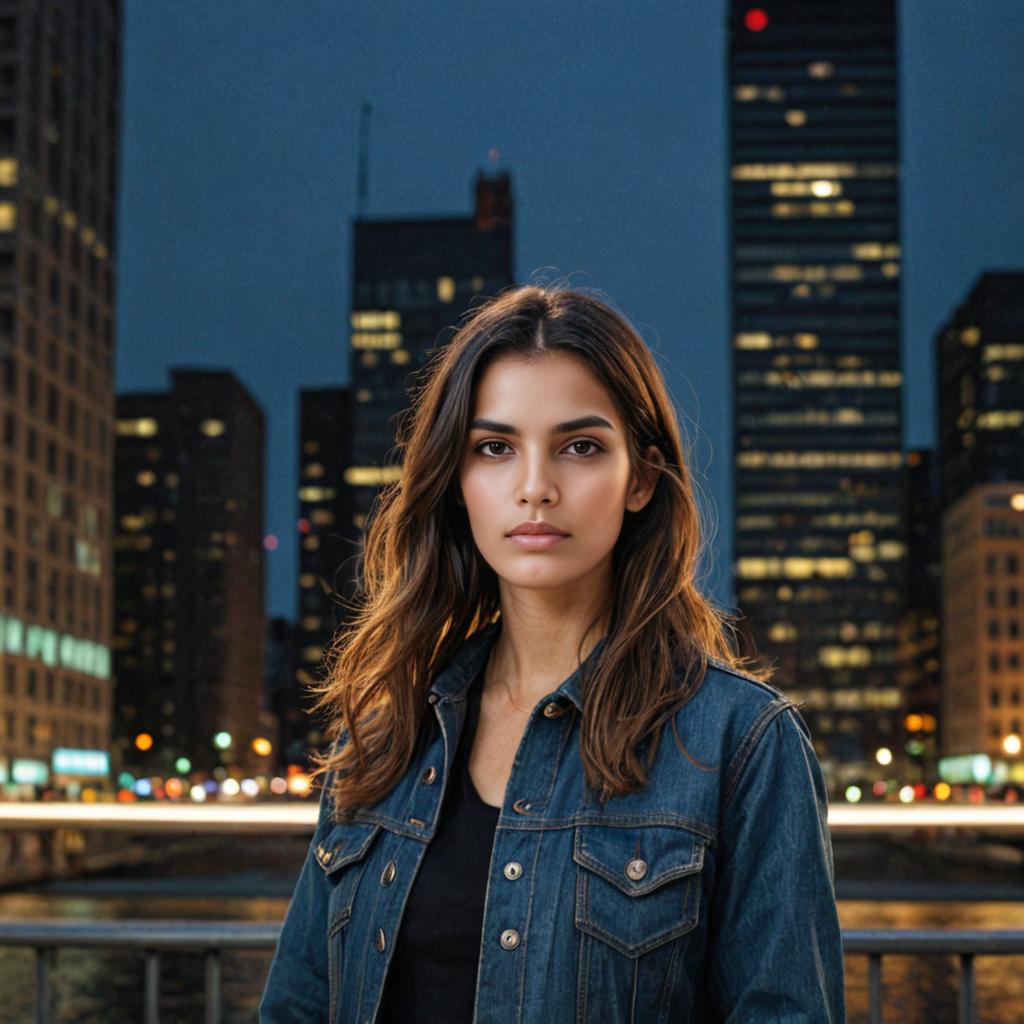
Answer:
(238, 184)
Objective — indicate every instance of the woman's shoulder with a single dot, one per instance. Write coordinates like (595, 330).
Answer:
(730, 711)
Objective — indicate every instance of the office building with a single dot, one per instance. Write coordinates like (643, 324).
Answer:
(59, 125)
(189, 622)
(814, 220)
(980, 362)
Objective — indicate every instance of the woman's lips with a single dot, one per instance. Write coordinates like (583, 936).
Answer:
(537, 541)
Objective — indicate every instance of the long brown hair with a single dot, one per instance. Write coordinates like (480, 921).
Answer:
(425, 588)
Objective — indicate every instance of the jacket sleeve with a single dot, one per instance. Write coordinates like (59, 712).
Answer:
(297, 986)
(775, 946)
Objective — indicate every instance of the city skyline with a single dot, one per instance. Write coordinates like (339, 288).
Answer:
(217, 270)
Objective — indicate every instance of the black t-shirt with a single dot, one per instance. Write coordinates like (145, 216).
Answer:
(432, 975)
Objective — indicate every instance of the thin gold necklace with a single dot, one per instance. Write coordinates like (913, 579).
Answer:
(490, 668)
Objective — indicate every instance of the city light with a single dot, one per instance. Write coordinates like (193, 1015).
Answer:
(144, 741)
(853, 794)
(262, 746)
(883, 755)
(756, 19)
(1012, 744)
(183, 765)
(222, 740)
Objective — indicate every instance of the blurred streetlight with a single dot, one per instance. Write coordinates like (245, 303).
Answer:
(1012, 744)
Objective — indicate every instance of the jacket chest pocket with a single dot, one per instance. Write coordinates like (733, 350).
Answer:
(342, 856)
(637, 888)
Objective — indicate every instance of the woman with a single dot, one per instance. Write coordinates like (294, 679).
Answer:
(553, 795)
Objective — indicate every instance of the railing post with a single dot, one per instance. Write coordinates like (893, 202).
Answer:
(151, 1007)
(968, 1010)
(212, 986)
(44, 993)
(875, 988)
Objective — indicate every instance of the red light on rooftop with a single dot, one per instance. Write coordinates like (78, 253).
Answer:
(304, 525)
(755, 19)
(270, 542)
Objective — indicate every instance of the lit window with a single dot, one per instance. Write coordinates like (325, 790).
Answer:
(400, 356)
(136, 428)
(212, 428)
(371, 476)
(146, 478)
(8, 172)
(821, 69)
(372, 320)
(446, 288)
(796, 118)
(364, 395)
(8, 216)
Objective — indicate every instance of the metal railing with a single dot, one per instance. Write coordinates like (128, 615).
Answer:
(157, 937)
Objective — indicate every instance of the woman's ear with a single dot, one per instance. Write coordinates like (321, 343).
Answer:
(641, 488)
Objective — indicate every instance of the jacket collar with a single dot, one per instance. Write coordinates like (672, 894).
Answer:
(452, 682)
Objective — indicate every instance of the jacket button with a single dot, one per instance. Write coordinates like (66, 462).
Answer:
(428, 776)
(513, 870)
(552, 710)
(432, 699)
(387, 876)
(636, 869)
(509, 938)
(379, 940)
(521, 806)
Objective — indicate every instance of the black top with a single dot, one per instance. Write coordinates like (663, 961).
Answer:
(432, 975)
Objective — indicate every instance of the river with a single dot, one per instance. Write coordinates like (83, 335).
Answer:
(881, 884)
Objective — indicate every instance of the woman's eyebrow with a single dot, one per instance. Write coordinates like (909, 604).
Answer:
(582, 423)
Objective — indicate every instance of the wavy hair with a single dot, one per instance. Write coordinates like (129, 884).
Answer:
(423, 586)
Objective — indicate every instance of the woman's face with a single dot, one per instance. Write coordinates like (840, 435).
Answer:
(547, 447)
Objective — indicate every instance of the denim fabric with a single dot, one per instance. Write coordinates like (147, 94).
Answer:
(707, 897)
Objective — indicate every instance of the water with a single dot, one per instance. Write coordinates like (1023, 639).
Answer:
(246, 879)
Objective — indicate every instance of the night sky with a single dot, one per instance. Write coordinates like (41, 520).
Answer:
(238, 184)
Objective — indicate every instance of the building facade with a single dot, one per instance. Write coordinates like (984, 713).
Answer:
(189, 622)
(818, 546)
(411, 282)
(980, 359)
(59, 125)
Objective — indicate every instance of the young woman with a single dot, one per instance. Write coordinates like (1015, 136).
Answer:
(553, 794)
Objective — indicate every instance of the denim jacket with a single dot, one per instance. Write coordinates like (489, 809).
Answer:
(708, 896)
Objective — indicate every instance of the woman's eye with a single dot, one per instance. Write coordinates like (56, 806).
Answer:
(488, 447)
(581, 448)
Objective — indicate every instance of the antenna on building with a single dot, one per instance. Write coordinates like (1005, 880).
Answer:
(364, 158)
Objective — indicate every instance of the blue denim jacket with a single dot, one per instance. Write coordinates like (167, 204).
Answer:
(709, 896)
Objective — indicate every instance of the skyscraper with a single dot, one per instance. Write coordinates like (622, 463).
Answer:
(59, 123)
(816, 359)
(981, 446)
(189, 628)
(412, 280)
(329, 544)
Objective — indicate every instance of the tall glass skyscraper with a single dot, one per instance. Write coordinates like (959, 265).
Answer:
(814, 217)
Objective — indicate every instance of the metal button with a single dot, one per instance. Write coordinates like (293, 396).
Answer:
(509, 938)
(513, 870)
(379, 941)
(552, 710)
(387, 876)
(432, 698)
(521, 806)
(417, 822)
(636, 869)
(428, 776)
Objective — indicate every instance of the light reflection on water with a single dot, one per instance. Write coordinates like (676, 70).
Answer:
(94, 987)
(925, 989)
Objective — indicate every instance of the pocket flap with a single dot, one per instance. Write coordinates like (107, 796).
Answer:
(638, 860)
(345, 844)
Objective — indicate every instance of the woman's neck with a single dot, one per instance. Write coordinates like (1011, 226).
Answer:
(542, 640)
